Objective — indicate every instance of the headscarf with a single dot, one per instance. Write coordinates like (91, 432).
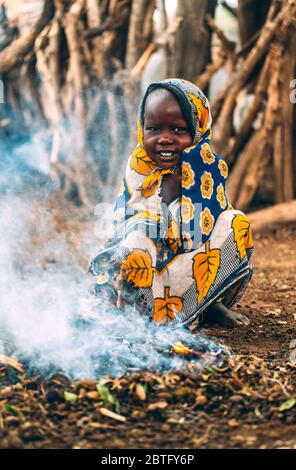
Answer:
(194, 105)
(138, 205)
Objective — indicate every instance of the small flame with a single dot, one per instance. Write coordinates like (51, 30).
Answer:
(179, 348)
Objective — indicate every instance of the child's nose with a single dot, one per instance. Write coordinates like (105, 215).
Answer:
(165, 138)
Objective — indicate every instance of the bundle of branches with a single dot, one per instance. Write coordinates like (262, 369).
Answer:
(7, 32)
(77, 73)
(66, 74)
(261, 146)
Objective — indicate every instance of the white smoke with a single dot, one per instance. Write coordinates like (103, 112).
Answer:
(48, 313)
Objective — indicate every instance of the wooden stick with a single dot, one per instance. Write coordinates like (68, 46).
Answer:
(14, 54)
(65, 170)
(274, 8)
(77, 76)
(272, 217)
(164, 25)
(227, 7)
(228, 45)
(204, 79)
(112, 22)
(218, 102)
(278, 160)
(254, 149)
(161, 42)
(260, 93)
(140, 28)
(139, 67)
(288, 73)
(224, 124)
(247, 46)
(262, 154)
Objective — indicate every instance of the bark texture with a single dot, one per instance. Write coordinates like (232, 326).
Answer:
(193, 41)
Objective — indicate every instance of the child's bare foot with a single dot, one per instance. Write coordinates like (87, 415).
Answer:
(222, 315)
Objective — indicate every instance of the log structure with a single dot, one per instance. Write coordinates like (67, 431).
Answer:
(280, 215)
(262, 146)
(80, 66)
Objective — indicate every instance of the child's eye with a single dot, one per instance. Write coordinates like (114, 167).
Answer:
(152, 129)
(180, 130)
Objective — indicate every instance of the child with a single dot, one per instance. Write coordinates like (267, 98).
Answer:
(180, 250)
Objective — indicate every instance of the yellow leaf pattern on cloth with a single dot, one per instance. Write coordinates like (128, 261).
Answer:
(207, 185)
(165, 310)
(206, 221)
(196, 102)
(157, 272)
(207, 154)
(221, 196)
(202, 112)
(137, 268)
(242, 234)
(205, 269)
(173, 240)
(141, 162)
(188, 178)
(223, 168)
(147, 215)
(152, 182)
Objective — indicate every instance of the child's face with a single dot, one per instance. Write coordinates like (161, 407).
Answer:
(166, 132)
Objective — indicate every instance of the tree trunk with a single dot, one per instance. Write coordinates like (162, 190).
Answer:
(260, 151)
(193, 40)
(224, 126)
(82, 64)
(251, 17)
(15, 53)
(140, 30)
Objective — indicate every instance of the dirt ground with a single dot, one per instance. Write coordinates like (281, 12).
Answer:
(250, 402)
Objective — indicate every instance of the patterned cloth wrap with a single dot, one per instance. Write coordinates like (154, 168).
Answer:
(173, 261)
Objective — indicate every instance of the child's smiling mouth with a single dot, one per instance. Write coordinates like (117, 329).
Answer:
(168, 154)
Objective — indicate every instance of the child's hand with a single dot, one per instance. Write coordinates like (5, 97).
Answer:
(126, 292)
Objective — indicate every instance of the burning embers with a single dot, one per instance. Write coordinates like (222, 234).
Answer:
(94, 347)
